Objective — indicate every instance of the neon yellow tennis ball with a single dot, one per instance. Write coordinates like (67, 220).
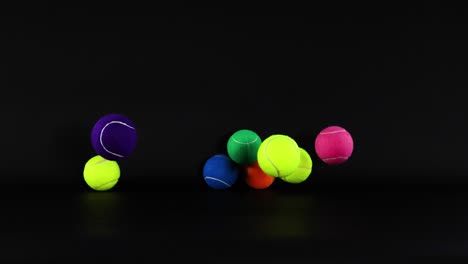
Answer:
(278, 155)
(303, 170)
(101, 174)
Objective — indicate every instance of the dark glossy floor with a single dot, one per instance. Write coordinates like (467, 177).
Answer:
(338, 224)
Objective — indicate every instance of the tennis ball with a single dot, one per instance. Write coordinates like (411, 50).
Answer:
(303, 170)
(256, 178)
(101, 174)
(334, 145)
(242, 146)
(278, 155)
(220, 172)
(114, 137)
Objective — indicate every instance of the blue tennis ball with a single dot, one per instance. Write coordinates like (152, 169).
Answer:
(220, 172)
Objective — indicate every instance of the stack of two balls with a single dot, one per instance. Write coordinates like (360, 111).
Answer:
(242, 148)
(113, 138)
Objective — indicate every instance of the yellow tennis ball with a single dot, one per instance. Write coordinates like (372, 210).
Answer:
(303, 170)
(101, 174)
(278, 155)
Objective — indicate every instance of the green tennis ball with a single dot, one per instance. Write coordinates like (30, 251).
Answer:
(242, 146)
(278, 155)
(303, 170)
(101, 174)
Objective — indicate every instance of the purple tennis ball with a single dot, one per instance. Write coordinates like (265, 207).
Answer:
(114, 137)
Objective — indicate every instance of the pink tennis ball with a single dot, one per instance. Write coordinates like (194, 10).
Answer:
(334, 145)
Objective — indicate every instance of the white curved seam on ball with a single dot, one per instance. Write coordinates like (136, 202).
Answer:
(295, 143)
(100, 161)
(332, 132)
(106, 183)
(102, 132)
(215, 179)
(268, 158)
(340, 157)
(235, 140)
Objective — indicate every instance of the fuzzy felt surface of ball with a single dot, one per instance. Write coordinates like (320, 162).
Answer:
(334, 145)
(114, 137)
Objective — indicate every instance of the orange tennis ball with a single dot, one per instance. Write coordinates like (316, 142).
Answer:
(256, 178)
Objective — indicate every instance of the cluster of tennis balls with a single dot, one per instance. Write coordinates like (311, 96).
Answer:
(259, 162)
(113, 138)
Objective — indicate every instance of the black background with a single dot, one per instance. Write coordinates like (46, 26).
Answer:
(190, 75)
